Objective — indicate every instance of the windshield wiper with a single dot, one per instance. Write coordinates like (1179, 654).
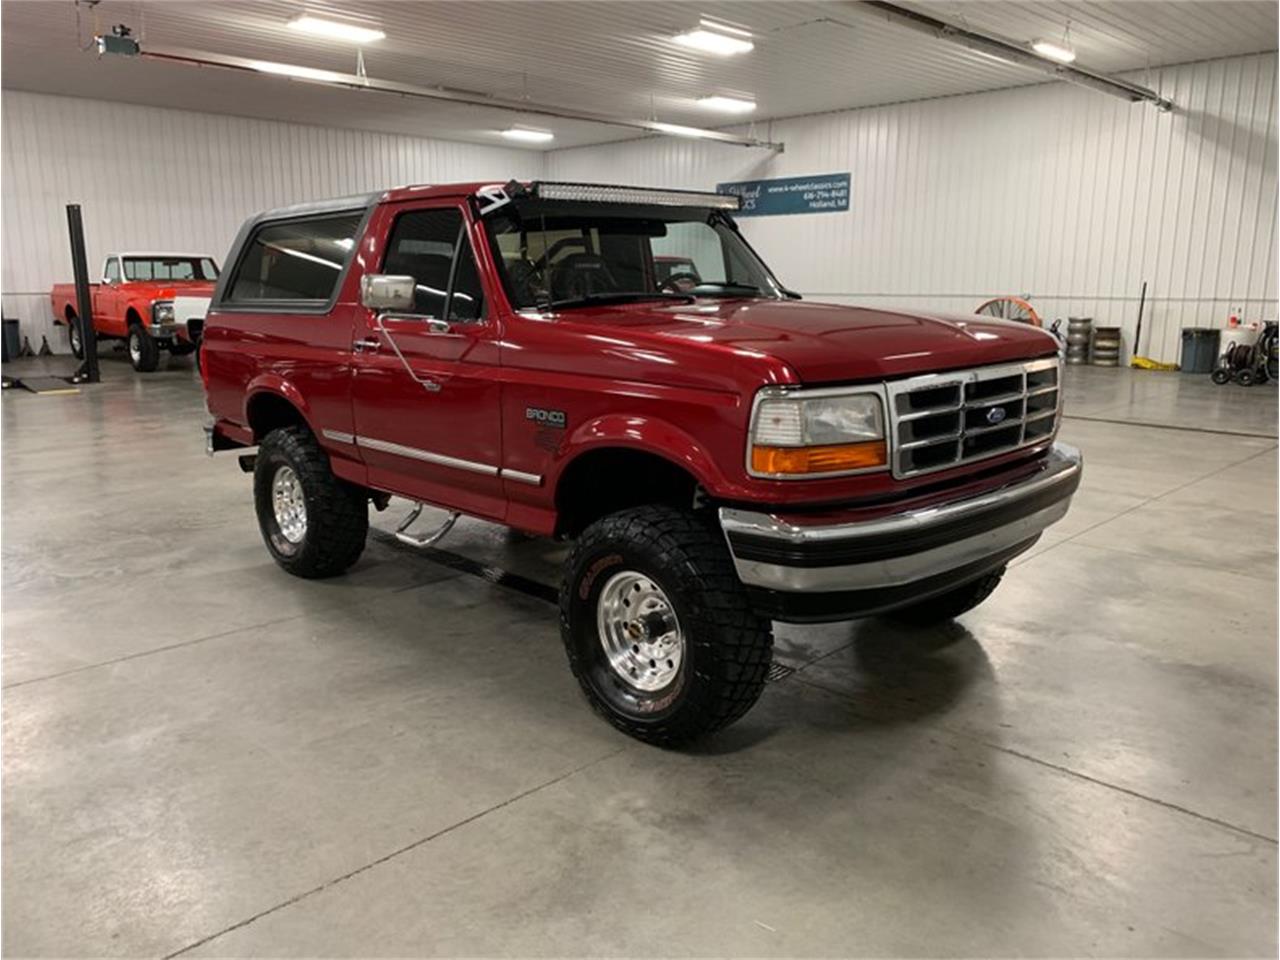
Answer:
(711, 288)
(619, 297)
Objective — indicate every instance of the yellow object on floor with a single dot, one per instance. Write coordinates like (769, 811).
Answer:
(1144, 363)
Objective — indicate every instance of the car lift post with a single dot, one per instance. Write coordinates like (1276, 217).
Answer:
(88, 372)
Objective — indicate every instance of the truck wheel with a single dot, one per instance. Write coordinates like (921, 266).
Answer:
(144, 352)
(75, 338)
(659, 630)
(314, 524)
(949, 605)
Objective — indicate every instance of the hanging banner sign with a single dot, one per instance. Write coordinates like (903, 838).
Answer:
(825, 193)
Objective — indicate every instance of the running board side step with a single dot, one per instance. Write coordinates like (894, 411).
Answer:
(404, 536)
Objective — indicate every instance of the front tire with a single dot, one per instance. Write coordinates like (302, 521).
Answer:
(144, 352)
(75, 338)
(949, 605)
(658, 629)
(313, 523)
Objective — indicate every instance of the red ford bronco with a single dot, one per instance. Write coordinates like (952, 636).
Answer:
(722, 454)
(134, 302)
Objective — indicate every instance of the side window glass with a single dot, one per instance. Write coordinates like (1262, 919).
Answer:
(113, 270)
(431, 246)
(296, 260)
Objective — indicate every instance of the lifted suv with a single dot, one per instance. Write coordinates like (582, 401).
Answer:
(722, 454)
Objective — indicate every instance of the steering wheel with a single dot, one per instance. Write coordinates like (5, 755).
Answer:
(672, 281)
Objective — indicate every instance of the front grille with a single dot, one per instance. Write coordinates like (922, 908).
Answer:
(942, 420)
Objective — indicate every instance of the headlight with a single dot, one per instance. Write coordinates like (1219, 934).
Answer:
(797, 436)
(162, 312)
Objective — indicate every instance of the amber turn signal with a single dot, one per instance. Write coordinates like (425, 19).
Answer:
(830, 459)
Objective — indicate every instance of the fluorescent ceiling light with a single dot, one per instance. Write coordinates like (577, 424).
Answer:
(525, 135)
(711, 41)
(291, 70)
(1047, 48)
(727, 104)
(336, 30)
(677, 130)
(724, 28)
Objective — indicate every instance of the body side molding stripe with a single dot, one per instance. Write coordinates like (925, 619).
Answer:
(413, 453)
(426, 455)
(522, 477)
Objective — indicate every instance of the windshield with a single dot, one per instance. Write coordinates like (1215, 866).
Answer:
(563, 254)
(170, 268)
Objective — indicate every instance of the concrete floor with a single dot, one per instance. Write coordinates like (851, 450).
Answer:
(204, 756)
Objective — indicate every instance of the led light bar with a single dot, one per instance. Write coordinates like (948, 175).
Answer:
(597, 193)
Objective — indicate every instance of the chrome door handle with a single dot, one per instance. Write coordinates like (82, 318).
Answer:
(437, 326)
(370, 344)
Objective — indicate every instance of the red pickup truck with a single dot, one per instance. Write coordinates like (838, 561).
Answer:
(722, 454)
(134, 302)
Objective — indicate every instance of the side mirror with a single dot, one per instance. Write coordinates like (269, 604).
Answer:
(380, 291)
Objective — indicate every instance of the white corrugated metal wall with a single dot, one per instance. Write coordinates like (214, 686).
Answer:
(160, 179)
(1064, 193)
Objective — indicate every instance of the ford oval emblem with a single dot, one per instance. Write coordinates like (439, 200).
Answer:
(995, 415)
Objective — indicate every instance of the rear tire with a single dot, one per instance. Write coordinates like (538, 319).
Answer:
(949, 605)
(701, 652)
(75, 338)
(313, 523)
(144, 352)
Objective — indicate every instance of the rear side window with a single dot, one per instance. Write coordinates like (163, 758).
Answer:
(296, 260)
(432, 247)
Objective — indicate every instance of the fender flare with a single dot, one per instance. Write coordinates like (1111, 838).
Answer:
(276, 385)
(142, 308)
(651, 435)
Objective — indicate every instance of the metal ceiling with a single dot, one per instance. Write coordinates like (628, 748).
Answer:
(595, 56)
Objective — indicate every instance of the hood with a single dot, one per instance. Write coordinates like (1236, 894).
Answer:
(829, 343)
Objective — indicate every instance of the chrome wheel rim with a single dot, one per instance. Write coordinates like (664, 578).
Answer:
(289, 504)
(75, 338)
(639, 631)
(135, 348)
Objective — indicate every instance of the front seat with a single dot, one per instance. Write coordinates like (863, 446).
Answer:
(581, 275)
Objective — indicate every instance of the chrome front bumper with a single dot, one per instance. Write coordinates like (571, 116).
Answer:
(872, 564)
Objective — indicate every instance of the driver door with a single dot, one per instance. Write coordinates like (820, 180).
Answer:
(426, 400)
(108, 316)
